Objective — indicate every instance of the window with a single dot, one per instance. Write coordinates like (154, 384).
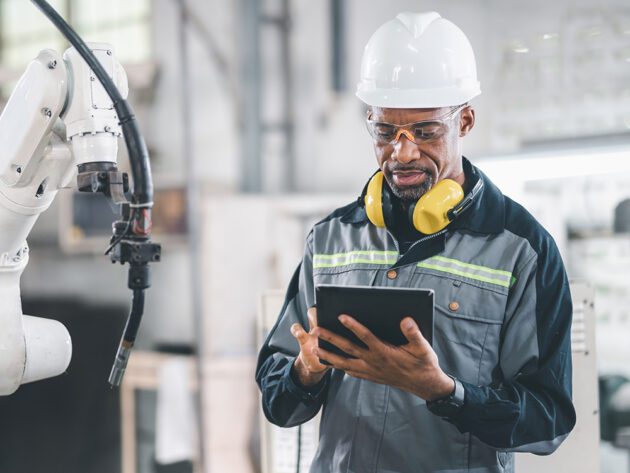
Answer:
(123, 23)
(24, 30)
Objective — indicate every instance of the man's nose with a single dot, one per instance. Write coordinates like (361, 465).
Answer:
(405, 150)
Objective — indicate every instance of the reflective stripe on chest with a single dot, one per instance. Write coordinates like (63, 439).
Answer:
(468, 270)
(354, 257)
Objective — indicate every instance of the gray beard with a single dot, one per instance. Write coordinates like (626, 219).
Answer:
(411, 194)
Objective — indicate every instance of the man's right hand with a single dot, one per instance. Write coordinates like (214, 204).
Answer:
(307, 366)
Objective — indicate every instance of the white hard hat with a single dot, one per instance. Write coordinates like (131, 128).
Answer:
(418, 60)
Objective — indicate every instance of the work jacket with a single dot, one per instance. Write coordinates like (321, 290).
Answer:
(501, 328)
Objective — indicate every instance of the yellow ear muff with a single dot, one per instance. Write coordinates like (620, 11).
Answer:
(431, 212)
(374, 200)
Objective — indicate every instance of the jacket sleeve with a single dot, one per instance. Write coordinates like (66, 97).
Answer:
(531, 410)
(285, 402)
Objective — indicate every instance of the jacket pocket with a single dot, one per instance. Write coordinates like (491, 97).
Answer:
(468, 320)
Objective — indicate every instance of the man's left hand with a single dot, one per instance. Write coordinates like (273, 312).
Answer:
(412, 367)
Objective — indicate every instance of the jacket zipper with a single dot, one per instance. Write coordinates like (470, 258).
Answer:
(423, 239)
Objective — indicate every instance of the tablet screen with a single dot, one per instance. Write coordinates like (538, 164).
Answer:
(380, 309)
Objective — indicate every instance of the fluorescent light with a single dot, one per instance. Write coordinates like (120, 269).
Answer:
(544, 166)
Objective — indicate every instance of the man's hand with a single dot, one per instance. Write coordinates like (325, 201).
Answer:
(307, 366)
(412, 367)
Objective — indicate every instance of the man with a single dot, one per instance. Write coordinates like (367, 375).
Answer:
(498, 376)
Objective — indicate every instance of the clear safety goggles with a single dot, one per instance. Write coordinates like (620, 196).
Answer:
(419, 132)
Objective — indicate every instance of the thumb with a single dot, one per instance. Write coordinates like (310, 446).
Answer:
(412, 333)
(311, 314)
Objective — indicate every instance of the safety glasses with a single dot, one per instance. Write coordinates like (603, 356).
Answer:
(418, 132)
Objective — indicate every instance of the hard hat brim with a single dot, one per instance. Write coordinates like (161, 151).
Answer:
(417, 98)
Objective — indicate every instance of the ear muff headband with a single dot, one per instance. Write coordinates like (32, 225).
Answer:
(466, 202)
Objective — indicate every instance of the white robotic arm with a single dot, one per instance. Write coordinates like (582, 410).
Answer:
(57, 118)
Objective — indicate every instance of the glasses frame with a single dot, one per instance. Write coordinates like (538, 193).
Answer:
(406, 129)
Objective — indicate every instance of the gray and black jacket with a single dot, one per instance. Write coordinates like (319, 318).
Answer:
(507, 340)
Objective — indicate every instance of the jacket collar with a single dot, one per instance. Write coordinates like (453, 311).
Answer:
(485, 215)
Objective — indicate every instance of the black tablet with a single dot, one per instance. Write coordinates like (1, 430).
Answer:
(380, 309)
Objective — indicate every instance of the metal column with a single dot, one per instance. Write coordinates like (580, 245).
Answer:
(254, 129)
(249, 116)
(193, 196)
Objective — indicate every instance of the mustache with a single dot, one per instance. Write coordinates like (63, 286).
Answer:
(404, 167)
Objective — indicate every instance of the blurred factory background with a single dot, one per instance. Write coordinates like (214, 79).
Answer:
(249, 114)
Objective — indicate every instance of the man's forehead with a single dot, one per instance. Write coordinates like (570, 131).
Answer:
(406, 115)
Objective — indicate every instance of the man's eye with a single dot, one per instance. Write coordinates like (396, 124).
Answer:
(384, 131)
(427, 131)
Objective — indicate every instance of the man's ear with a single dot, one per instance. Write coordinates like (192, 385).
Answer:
(466, 121)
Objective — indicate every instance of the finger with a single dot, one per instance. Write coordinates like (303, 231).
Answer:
(336, 361)
(299, 333)
(360, 330)
(341, 362)
(311, 314)
(340, 342)
(412, 332)
(356, 374)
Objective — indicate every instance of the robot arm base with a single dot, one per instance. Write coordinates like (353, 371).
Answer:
(31, 348)
(34, 348)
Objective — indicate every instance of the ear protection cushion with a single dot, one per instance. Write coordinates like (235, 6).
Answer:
(373, 200)
(430, 214)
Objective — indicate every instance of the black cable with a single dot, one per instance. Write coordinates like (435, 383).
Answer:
(128, 339)
(119, 239)
(139, 219)
(135, 317)
(138, 154)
